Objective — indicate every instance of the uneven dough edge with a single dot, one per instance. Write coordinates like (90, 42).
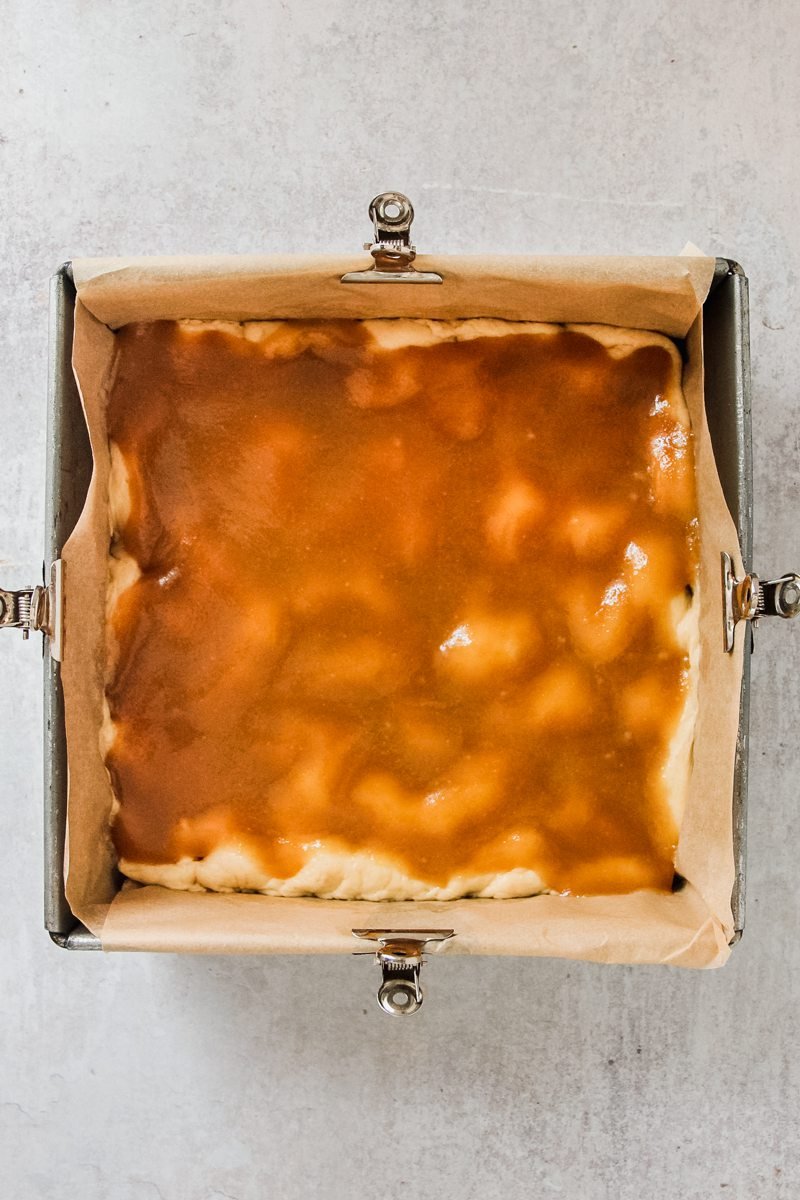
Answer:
(329, 874)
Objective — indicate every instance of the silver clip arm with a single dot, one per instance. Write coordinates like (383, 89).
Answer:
(751, 598)
(391, 214)
(35, 609)
(399, 953)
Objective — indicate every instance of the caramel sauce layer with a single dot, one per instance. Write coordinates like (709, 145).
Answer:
(416, 602)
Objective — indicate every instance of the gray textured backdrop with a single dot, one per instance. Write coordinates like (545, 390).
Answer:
(207, 126)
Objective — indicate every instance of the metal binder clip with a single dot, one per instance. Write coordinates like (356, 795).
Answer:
(36, 609)
(751, 598)
(400, 956)
(391, 214)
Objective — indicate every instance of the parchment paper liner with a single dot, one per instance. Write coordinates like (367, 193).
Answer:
(691, 927)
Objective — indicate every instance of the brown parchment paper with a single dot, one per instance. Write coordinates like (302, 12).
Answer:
(691, 927)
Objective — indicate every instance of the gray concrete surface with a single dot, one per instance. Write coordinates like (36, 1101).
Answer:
(209, 126)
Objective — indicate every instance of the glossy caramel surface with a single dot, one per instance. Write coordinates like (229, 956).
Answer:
(414, 602)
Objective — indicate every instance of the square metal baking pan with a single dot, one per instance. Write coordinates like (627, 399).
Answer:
(727, 396)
